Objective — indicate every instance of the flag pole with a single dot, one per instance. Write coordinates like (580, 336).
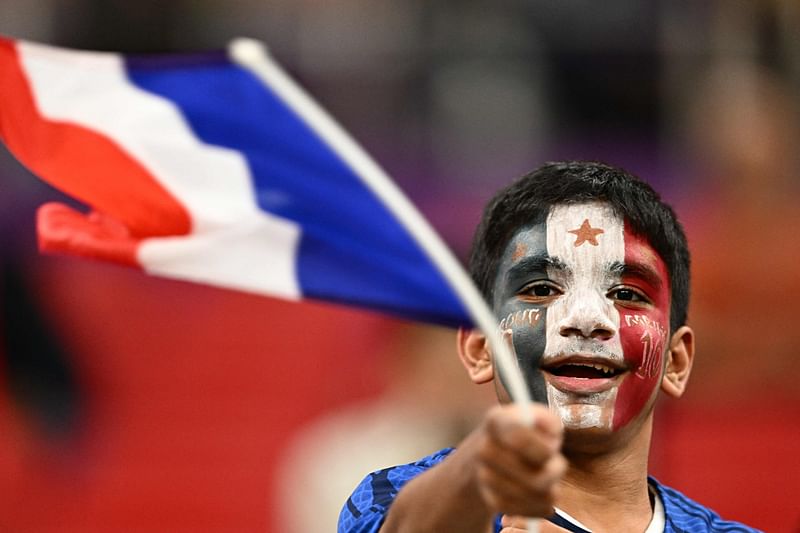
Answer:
(253, 56)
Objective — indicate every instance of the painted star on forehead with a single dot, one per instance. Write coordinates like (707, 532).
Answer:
(586, 233)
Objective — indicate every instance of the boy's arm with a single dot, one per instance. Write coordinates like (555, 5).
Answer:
(503, 467)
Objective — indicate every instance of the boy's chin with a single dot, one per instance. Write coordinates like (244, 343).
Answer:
(586, 417)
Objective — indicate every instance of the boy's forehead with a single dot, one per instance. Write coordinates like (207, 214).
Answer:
(589, 232)
(588, 223)
(596, 212)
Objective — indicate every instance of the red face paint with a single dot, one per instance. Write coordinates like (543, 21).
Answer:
(644, 329)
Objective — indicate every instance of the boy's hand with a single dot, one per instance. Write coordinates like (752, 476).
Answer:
(518, 467)
(503, 467)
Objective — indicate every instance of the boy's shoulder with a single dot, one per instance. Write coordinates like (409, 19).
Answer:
(366, 508)
(683, 514)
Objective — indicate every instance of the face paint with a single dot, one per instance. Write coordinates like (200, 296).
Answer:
(587, 301)
(521, 321)
(643, 331)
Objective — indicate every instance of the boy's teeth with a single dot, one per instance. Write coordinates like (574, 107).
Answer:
(602, 368)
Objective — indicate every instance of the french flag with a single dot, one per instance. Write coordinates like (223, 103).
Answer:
(215, 168)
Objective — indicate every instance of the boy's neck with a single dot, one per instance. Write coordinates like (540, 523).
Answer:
(607, 491)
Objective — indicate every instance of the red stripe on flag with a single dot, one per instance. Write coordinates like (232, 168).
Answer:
(84, 164)
(93, 235)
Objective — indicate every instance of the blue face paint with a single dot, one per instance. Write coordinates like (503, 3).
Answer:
(523, 262)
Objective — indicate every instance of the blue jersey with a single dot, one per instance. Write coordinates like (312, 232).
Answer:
(365, 510)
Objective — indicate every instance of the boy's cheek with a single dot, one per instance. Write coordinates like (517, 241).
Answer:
(643, 337)
(527, 327)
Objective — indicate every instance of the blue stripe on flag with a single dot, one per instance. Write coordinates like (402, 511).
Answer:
(352, 250)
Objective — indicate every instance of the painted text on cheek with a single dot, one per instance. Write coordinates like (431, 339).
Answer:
(526, 317)
(652, 340)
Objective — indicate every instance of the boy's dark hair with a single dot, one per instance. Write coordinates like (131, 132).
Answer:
(528, 201)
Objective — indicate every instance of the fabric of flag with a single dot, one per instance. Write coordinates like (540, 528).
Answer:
(195, 169)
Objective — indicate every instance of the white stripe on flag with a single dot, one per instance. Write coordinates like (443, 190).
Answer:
(255, 255)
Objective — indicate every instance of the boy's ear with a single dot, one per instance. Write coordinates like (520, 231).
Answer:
(679, 362)
(473, 350)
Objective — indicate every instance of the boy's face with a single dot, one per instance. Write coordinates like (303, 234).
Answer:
(586, 303)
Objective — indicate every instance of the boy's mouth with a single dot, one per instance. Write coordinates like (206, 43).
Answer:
(583, 374)
(584, 370)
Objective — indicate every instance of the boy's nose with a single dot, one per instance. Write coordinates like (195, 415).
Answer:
(588, 315)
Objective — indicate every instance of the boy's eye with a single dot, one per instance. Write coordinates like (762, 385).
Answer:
(627, 295)
(541, 289)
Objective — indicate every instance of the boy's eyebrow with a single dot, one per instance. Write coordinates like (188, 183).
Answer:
(536, 263)
(638, 270)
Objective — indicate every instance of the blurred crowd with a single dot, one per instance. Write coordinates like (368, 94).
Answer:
(454, 98)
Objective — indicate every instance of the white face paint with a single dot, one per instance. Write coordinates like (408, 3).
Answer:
(586, 238)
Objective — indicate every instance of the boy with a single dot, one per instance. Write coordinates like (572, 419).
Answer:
(588, 273)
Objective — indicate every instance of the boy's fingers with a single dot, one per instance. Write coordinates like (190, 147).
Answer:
(508, 498)
(533, 444)
(533, 478)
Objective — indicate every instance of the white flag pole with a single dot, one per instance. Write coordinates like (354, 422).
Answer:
(252, 55)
